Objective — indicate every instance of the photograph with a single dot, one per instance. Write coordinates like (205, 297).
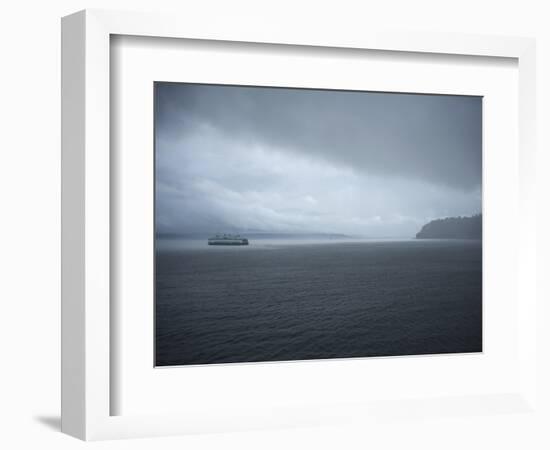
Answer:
(298, 224)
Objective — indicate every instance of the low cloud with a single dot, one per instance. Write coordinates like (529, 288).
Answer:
(238, 159)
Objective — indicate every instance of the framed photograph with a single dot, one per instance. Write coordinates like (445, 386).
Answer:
(267, 228)
(351, 224)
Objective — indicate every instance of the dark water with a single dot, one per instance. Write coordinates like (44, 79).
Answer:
(312, 301)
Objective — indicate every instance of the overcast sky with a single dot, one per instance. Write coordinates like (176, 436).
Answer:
(238, 159)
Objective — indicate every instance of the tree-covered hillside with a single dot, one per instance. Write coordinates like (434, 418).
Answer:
(452, 228)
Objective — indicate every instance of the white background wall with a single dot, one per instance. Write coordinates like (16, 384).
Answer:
(29, 225)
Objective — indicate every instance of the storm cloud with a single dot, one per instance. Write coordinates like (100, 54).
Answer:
(232, 158)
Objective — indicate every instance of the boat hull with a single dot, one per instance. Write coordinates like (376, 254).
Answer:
(228, 242)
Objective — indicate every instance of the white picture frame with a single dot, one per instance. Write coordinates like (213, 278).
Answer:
(86, 204)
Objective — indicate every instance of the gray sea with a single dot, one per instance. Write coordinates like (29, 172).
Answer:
(280, 300)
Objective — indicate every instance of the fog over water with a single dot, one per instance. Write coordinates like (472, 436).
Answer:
(246, 159)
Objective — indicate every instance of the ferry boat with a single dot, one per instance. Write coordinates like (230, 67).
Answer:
(227, 239)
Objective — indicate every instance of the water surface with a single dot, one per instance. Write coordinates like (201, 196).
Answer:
(278, 300)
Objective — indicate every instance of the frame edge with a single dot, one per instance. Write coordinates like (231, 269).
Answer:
(73, 83)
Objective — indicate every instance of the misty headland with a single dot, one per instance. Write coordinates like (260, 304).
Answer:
(453, 228)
